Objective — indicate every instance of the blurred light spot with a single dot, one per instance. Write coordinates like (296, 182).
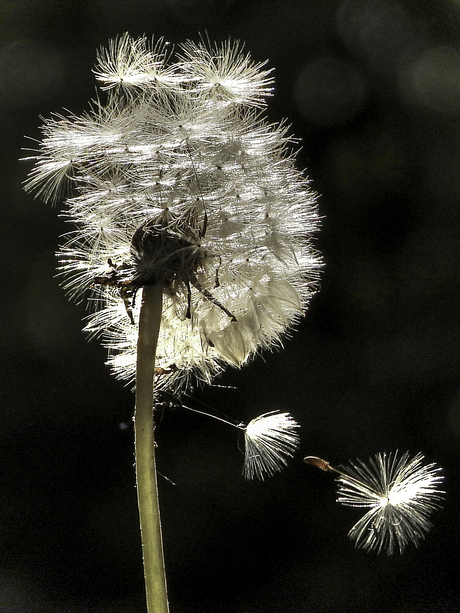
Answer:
(379, 31)
(29, 72)
(433, 79)
(329, 91)
(18, 591)
(453, 418)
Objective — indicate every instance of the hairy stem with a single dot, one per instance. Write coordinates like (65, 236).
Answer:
(147, 491)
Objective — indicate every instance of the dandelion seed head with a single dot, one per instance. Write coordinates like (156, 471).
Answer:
(175, 177)
(401, 493)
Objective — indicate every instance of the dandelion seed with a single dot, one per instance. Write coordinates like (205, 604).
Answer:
(133, 64)
(227, 73)
(269, 439)
(177, 178)
(400, 492)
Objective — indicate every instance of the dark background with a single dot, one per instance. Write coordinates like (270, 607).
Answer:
(373, 89)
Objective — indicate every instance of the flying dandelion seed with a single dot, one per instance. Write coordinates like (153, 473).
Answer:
(269, 440)
(400, 492)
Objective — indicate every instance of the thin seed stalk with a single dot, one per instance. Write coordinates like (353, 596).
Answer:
(147, 490)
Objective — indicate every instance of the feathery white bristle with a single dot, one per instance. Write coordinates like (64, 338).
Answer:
(270, 440)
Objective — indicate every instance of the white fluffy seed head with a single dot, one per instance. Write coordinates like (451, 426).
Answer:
(401, 494)
(270, 440)
(182, 142)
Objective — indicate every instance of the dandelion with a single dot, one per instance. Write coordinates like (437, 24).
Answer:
(401, 494)
(192, 235)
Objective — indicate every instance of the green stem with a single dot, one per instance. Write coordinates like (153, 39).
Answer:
(147, 490)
